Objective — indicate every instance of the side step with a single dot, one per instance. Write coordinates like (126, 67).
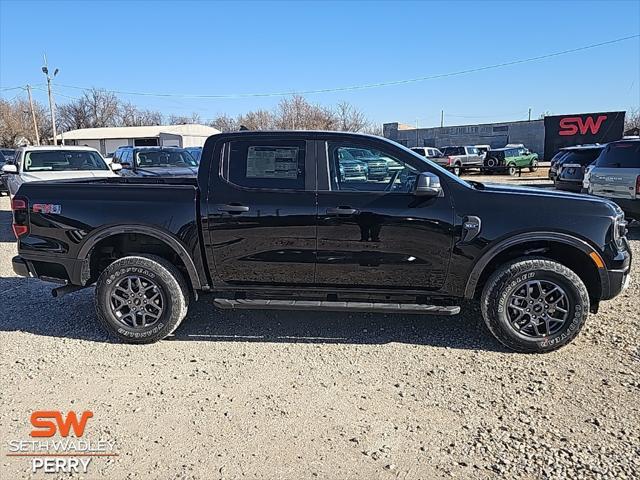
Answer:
(335, 306)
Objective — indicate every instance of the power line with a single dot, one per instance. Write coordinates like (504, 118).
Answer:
(369, 85)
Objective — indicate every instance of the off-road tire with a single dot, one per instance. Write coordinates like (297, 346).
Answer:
(456, 169)
(167, 278)
(512, 170)
(533, 167)
(505, 281)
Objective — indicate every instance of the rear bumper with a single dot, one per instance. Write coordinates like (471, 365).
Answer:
(570, 186)
(20, 267)
(64, 271)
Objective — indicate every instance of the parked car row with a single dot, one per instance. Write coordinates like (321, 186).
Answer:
(606, 170)
(509, 159)
(30, 164)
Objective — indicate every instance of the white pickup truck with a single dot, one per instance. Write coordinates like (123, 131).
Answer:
(55, 163)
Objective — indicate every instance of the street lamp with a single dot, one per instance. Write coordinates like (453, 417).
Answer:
(52, 107)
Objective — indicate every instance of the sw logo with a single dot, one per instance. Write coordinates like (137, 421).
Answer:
(572, 125)
(47, 422)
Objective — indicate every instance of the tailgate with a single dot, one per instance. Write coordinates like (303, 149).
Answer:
(614, 182)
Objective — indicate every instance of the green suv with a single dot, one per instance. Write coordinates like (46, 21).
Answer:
(510, 160)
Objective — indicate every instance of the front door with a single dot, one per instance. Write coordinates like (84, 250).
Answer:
(261, 215)
(374, 232)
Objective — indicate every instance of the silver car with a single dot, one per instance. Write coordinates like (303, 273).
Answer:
(616, 175)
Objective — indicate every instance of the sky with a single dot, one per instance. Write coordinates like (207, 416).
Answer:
(227, 48)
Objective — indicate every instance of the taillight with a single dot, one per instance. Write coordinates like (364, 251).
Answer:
(20, 207)
(638, 185)
(449, 160)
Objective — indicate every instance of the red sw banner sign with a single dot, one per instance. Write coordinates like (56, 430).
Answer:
(572, 125)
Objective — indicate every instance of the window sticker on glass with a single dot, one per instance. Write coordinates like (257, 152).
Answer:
(272, 162)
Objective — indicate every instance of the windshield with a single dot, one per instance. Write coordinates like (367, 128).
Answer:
(620, 155)
(165, 158)
(63, 161)
(359, 153)
(196, 153)
(453, 151)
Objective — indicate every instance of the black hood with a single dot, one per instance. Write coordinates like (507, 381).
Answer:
(545, 193)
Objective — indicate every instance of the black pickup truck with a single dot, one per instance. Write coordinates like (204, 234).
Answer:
(269, 223)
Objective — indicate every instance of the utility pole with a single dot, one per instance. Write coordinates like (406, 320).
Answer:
(52, 106)
(441, 118)
(529, 113)
(33, 115)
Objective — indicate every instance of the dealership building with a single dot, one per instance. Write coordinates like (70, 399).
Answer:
(543, 136)
(107, 139)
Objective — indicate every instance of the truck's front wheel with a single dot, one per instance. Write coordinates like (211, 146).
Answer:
(534, 305)
(141, 299)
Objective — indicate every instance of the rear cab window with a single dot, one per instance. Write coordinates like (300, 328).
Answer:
(620, 155)
(267, 164)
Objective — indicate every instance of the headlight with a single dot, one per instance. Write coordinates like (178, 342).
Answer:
(619, 231)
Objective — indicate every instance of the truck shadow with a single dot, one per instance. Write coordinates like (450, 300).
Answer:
(6, 234)
(27, 306)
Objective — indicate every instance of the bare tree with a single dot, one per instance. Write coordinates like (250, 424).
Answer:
(96, 108)
(350, 119)
(257, 120)
(632, 120)
(225, 123)
(16, 122)
(132, 116)
(184, 119)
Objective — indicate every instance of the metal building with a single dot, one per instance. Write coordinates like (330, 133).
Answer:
(107, 139)
(530, 133)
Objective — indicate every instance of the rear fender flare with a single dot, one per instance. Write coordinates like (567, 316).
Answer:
(157, 233)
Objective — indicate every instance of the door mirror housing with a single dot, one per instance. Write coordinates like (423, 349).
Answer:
(10, 168)
(428, 185)
(116, 167)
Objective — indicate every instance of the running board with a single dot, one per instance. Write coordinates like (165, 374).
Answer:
(243, 304)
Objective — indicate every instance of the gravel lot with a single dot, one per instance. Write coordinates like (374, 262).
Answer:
(333, 396)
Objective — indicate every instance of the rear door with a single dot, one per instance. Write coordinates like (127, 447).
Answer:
(376, 233)
(261, 211)
(616, 171)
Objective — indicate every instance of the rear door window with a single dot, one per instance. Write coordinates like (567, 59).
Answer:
(620, 155)
(268, 164)
(581, 157)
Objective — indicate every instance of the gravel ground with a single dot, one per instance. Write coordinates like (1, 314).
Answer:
(316, 395)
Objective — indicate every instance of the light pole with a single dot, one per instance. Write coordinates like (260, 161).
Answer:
(52, 106)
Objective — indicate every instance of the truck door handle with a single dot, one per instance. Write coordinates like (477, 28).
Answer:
(341, 211)
(233, 208)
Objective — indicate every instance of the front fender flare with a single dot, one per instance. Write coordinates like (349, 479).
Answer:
(155, 232)
(484, 260)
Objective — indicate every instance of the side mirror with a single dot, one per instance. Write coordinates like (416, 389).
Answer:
(125, 165)
(428, 185)
(10, 168)
(116, 167)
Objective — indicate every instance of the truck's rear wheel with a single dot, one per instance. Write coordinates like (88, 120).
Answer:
(534, 305)
(456, 169)
(141, 299)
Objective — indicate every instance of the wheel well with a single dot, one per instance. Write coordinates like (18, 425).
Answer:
(120, 245)
(568, 255)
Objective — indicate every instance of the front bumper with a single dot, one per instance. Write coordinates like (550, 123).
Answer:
(631, 208)
(618, 277)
